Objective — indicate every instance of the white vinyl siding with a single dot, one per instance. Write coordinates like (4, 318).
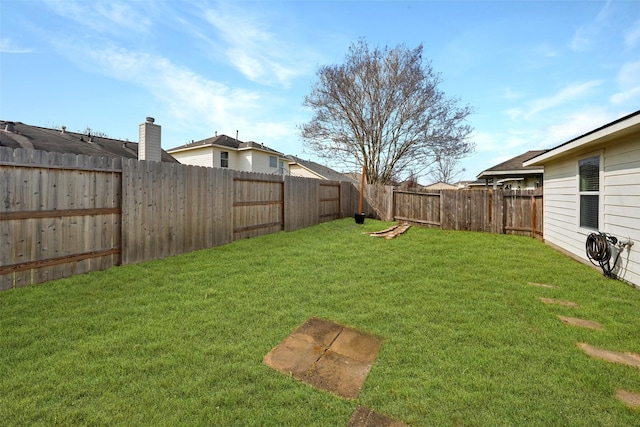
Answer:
(198, 157)
(619, 202)
(296, 170)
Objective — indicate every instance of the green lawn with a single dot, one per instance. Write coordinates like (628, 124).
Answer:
(180, 341)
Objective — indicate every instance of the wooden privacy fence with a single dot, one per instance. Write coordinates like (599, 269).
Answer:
(492, 211)
(62, 214)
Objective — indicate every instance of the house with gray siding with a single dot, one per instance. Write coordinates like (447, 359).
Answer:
(513, 175)
(591, 184)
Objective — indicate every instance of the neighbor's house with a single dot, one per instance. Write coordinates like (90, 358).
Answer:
(513, 174)
(222, 151)
(592, 183)
(309, 169)
(21, 135)
(478, 184)
(439, 186)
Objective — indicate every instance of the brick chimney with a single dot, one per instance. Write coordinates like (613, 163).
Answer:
(149, 147)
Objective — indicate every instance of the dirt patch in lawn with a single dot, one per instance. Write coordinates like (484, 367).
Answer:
(558, 302)
(326, 355)
(630, 359)
(363, 417)
(632, 400)
(580, 322)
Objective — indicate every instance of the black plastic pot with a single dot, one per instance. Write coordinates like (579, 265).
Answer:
(359, 218)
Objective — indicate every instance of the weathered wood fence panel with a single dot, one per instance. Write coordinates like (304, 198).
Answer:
(523, 213)
(421, 208)
(465, 210)
(330, 200)
(379, 201)
(258, 204)
(59, 215)
(493, 211)
(169, 209)
(303, 202)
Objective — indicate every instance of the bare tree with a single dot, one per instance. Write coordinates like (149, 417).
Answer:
(445, 168)
(383, 109)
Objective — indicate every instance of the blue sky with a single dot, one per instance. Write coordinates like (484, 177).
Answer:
(537, 73)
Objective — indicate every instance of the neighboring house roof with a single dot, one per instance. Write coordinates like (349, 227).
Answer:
(610, 132)
(321, 171)
(224, 141)
(21, 135)
(514, 167)
(471, 184)
(440, 186)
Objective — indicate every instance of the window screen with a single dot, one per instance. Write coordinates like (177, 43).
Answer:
(589, 192)
(224, 159)
(273, 161)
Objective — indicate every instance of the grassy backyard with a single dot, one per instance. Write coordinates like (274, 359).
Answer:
(181, 341)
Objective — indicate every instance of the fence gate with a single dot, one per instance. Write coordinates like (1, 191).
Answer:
(523, 213)
(258, 205)
(330, 208)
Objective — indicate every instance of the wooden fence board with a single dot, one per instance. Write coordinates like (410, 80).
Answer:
(330, 199)
(495, 211)
(303, 202)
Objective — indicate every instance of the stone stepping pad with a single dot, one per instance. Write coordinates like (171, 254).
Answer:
(580, 322)
(629, 398)
(543, 285)
(558, 302)
(629, 359)
(326, 355)
(363, 417)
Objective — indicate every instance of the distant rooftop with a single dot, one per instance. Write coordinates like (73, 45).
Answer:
(21, 135)
(224, 141)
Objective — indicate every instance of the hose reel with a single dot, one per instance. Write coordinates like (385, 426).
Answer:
(599, 249)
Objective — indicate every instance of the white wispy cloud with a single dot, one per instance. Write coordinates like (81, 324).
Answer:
(257, 51)
(111, 17)
(587, 34)
(632, 36)
(578, 123)
(563, 97)
(629, 75)
(510, 94)
(628, 80)
(9, 46)
(188, 98)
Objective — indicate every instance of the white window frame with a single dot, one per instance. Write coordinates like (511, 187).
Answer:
(599, 193)
(222, 159)
(276, 161)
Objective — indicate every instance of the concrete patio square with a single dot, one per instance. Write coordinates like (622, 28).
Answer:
(326, 355)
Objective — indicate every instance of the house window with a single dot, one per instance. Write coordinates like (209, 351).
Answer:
(273, 161)
(224, 159)
(589, 170)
